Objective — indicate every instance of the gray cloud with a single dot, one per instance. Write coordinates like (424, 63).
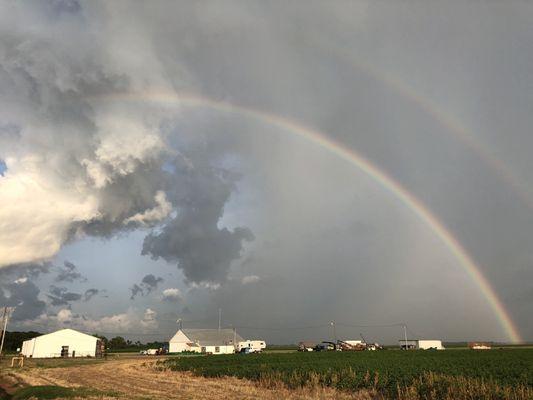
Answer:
(136, 290)
(69, 273)
(24, 295)
(114, 155)
(193, 239)
(424, 92)
(60, 296)
(18, 289)
(90, 293)
(148, 284)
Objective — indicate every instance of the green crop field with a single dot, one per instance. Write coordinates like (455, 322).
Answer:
(495, 374)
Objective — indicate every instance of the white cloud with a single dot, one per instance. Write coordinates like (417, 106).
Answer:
(64, 315)
(204, 285)
(68, 144)
(123, 323)
(37, 211)
(158, 213)
(172, 294)
(149, 320)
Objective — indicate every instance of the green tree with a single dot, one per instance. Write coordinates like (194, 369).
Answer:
(118, 342)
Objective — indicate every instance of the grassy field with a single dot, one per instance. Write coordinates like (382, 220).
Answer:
(458, 374)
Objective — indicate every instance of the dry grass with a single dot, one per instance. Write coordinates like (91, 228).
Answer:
(139, 379)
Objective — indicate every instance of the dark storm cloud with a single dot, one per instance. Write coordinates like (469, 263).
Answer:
(136, 290)
(30, 270)
(124, 183)
(193, 239)
(407, 86)
(24, 295)
(18, 289)
(69, 273)
(90, 293)
(150, 282)
(147, 285)
(61, 296)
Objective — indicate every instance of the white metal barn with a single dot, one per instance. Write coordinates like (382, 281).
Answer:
(212, 341)
(420, 344)
(62, 343)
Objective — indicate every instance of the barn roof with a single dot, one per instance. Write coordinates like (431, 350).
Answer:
(212, 337)
(67, 333)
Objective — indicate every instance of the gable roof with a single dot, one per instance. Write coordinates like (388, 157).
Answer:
(68, 333)
(210, 337)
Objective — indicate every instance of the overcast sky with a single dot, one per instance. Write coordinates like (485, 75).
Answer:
(144, 178)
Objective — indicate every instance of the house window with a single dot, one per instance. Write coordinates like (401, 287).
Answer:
(217, 349)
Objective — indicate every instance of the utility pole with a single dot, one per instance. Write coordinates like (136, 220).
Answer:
(7, 312)
(405, 336)
(219, 318)
(4, 315)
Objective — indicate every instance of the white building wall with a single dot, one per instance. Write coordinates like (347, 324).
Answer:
(177, 347)
(27, 347)
(218, 349)
(180, 342)
(48, 346)
(430, 344)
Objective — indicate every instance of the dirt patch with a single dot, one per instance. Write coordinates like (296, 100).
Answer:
(140, 379)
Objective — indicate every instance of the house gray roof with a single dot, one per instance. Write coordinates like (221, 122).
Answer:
(212, 337)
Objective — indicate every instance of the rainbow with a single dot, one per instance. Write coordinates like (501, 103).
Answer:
(355, 159)
(446, 120)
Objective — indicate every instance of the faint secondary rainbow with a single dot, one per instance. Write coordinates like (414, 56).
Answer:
(450, 123)
(354, 158)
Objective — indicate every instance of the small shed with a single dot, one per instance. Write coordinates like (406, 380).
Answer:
(212, 341)
(480, 345)
(62, 343)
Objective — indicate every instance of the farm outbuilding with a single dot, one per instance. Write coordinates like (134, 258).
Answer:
(480, 345)
(420, 344)
(214, 341)
(62, 343)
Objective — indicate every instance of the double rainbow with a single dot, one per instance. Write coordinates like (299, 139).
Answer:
(355, 159)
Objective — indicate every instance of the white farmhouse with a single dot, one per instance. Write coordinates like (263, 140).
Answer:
(420, 344)
(213, 341)
(62, 343)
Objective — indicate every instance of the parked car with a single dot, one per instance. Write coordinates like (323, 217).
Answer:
(326, 346)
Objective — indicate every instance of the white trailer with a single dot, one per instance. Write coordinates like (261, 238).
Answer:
(251, 346)
(422, 344)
